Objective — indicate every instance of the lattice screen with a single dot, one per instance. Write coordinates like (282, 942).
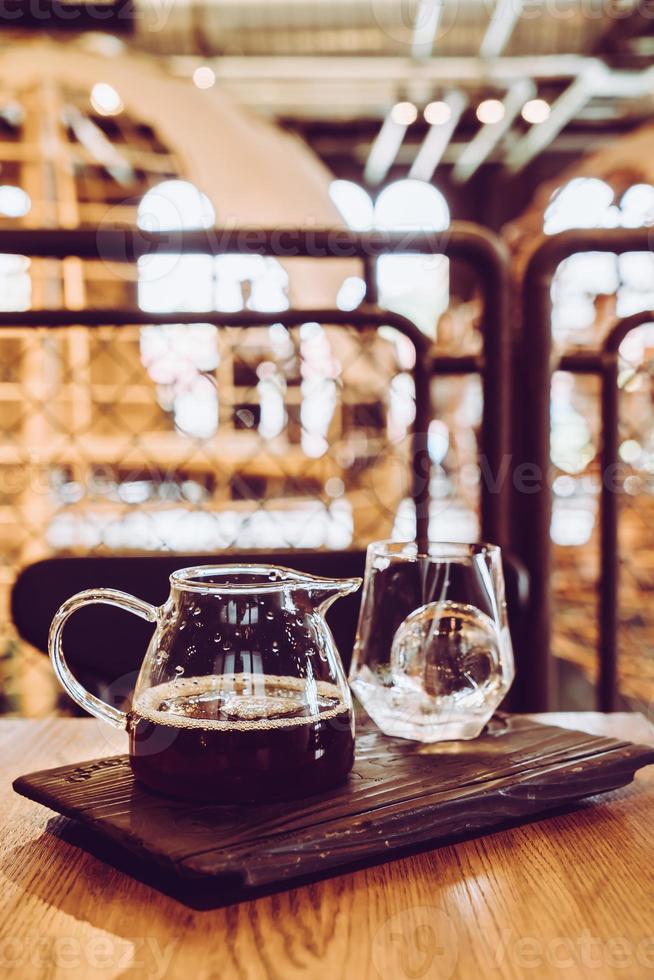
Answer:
(200, 438)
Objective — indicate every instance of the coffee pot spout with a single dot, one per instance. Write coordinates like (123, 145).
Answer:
(325, 591)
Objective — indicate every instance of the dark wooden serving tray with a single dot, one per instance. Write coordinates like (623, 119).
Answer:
(400, 797)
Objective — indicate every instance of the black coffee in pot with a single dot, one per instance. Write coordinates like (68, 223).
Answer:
(241, 738)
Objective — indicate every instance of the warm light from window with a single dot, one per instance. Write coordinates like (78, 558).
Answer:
(177, 356)
(204, 77)
(105, 99)
(15, 282)
(437, 113)
(404, 113)
(490, 111)
(175, 205)
(411, 205)
(351, 294)
(630, 451)
(14, 202)
(353, 202)
(536, 111)
(412, 284)
(584, 202)
(637, 206)
(253, 282)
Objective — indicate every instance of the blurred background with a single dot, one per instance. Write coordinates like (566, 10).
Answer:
(525, 118)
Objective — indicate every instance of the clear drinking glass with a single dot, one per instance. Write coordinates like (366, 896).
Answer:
(433, 656)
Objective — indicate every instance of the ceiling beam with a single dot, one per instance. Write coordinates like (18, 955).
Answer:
(481, 146)
(385, 148)
(502, 23)
(568, 144)
(566, 107)
(344, 88)
(626, 84)
(425, 27)
(437, 139)
(345, 68)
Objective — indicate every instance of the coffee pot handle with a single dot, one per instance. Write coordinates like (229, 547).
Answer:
(77, 691)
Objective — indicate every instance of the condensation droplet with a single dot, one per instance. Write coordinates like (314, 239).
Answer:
(217, 638)
(182, 626)
(270, 615)
(275, 646)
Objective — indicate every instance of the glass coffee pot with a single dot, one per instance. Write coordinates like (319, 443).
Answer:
(242, 696)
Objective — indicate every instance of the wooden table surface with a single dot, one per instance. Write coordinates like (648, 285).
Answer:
(568, 896)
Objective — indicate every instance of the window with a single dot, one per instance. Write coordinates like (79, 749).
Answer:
(414, 285)
(182, 359)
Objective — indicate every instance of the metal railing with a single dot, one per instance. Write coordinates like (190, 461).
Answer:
(533, 511)
(463, 241)
(480, 250)
(605, 365)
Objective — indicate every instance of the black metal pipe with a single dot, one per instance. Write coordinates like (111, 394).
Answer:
(534, 684)
(581, 362)
(370, 279)
(618, 333)
(610, 513)
(609, 556)
(360, 319)
(421, 472)
(122, 244)
(553, 250)
(533, 510)
(492, 265)
(457, 364)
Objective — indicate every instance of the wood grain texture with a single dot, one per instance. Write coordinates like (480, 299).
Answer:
(399, 795)
(571, 895)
